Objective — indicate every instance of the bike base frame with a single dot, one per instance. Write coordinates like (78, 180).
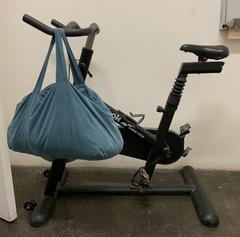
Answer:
(192, 187)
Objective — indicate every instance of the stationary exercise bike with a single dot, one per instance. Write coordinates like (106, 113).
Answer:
(154, 146)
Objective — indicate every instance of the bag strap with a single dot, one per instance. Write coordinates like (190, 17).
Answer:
(77, 75)
(61, 71)
(39, 83)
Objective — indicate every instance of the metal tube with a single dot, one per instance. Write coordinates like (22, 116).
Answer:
(203, 206)
(126, 190)
(55, 176)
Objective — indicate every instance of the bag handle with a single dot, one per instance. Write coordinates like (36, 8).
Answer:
(61, 71)
(39, 83)
(77, 75)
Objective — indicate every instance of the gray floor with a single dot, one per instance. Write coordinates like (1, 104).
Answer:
(90, 216)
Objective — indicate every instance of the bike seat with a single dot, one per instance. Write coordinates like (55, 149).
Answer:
(205, 52)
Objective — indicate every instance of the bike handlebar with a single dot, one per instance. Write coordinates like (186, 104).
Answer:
(71, 25)
(57, 23)
(69, 32)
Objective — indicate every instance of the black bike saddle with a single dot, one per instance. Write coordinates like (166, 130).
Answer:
(205, 52)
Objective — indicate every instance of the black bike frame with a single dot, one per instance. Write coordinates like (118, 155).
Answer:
(147, 144)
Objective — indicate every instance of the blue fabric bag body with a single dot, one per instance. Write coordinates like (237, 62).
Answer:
(64, 121)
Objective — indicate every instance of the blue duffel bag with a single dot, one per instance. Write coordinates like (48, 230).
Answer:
(64, 121)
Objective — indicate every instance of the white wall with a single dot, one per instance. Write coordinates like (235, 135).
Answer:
(7, 199)
(135, 62)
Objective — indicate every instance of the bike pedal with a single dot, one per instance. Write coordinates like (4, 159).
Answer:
(186, 151)
(184, 130)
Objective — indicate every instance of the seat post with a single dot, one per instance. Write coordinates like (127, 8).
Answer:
(171, 106)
